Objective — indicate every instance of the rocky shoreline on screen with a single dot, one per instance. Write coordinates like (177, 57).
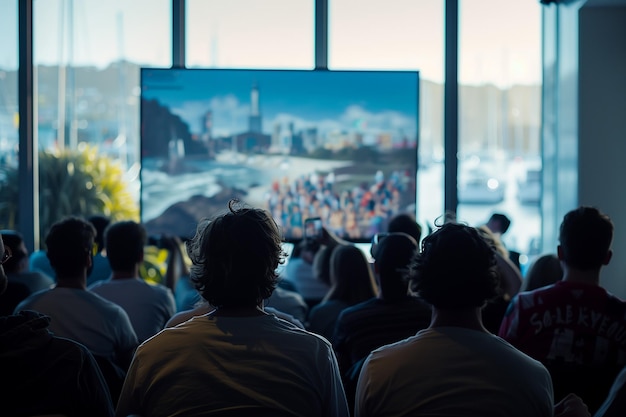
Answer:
(185, 215)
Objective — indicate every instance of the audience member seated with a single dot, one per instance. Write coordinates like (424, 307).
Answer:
(38, 261)
(615, 403)
(101, 267)
(22, 282)
(509, 278)
(149, 306)
(77, 314)
(405, 223)
(544, 271)
(455, 367)
(574, 327)
(57, 375)
(392, 316)
(289, 302)
(352, 282)
(237, 359)
(299, 273)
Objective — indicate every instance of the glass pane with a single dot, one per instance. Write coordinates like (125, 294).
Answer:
(250, 33)
(400, 35)
(87, 55)
(9, 135)
(500, 117)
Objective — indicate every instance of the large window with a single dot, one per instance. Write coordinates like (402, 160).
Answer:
(9, 136)
(500, 117)
(87, 56)
(250, 33)
(405, 35)
(88, 53)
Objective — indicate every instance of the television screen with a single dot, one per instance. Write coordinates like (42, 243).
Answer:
(338, 145)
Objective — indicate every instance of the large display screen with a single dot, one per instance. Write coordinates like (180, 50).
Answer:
(339, 145)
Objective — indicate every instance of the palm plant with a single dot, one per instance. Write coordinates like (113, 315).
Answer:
(78, 182)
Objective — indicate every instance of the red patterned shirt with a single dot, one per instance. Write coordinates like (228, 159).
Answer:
(568, 322)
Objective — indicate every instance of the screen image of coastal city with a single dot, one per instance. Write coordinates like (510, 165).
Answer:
(338, 145)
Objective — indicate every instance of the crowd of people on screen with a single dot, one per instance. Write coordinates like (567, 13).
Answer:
(437, 323)
(350, 214)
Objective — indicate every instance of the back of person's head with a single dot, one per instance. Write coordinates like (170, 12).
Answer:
(499, 223)
(124, 242)
(19, 259)
(393, 257)
(235, 256)
(351, 276)
(585, 238)
(100, 222)
(69, 242)
(545, 270)
(456, 268)
(405, 223)
(321, 264)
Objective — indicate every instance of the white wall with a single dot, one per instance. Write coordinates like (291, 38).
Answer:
(602, 125)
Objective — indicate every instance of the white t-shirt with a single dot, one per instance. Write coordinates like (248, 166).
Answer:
(149, 306)
(452, 371)
(246, 366)
(102, 326)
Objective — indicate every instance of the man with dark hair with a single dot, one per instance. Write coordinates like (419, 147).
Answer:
(149, 306)
(237, 359)
(22, 282)
(77, 314)
(391, 316)
(574, 327)
(100, 269)
(455, 366)
(59, 375)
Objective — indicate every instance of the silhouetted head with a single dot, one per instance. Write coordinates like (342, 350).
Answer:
(321, 264)
(456, 268)
(499, 223)
(124, 242)
(585, 238)
(235, 256)
(19, 254)
(70, 244)
(405, 223)
(351, 277)
(394, 254)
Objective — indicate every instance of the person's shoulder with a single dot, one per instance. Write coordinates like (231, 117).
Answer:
(394, 349)
(521, 358)
(102, 303)
(312, 339)
(157, 287)
(358, 309)
(33, 299)
(529, 298)
(97, 285)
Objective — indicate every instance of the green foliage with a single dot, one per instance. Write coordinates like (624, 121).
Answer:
(71, 182)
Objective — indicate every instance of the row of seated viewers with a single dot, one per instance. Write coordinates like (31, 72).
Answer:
(445, 328)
